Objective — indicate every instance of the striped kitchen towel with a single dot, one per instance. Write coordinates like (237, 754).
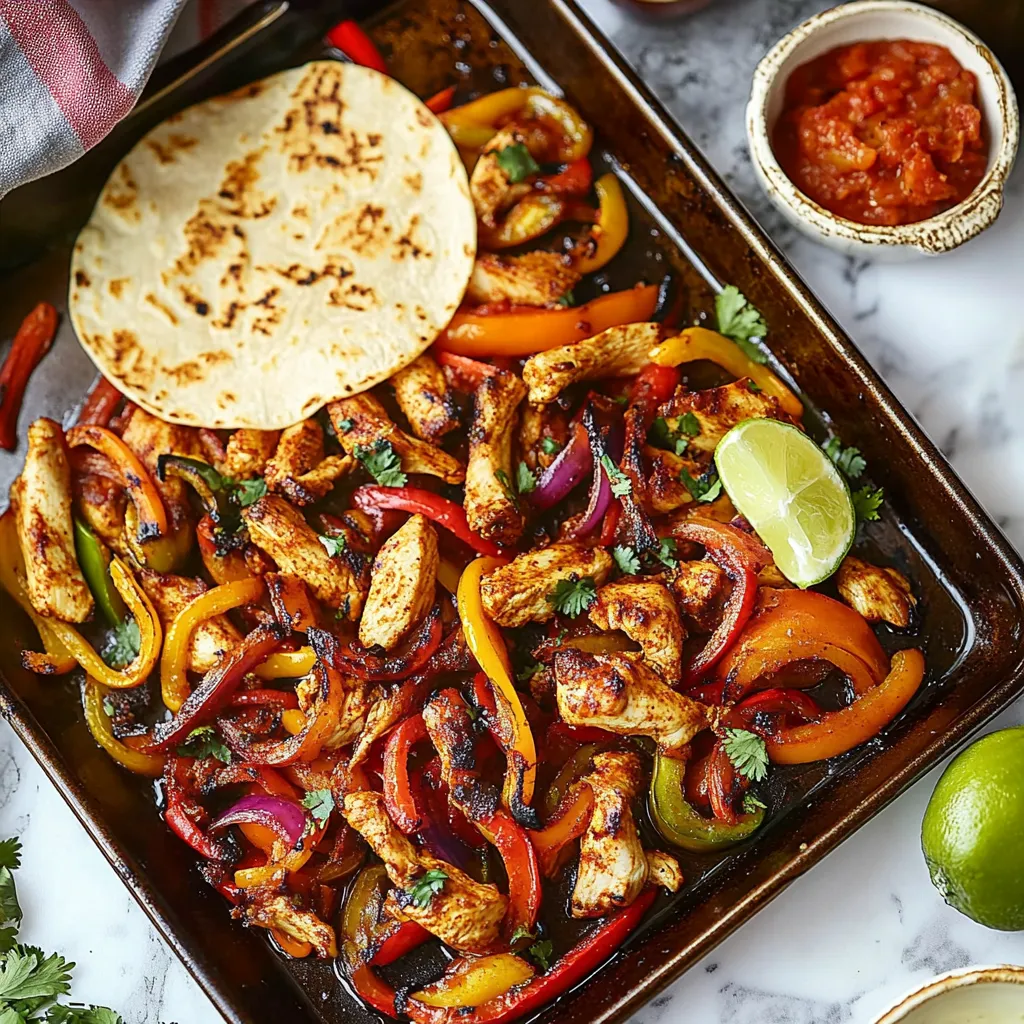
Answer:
(69, 71)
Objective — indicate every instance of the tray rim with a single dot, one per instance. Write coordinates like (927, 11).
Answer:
(668, 969)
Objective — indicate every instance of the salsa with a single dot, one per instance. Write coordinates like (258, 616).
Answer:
(882, 132)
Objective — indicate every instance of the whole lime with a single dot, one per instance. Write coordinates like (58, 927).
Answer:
(973, 831)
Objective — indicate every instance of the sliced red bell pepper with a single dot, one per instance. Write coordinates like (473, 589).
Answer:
(398, 795)
(100, 403)
(404, 939)
(284, 699)
(219, 685)
(520, 859)
(441, 101)
(181, 823)
(348, 37)
(418, 500)
(742, 556)
(610, 524)
(655, 384)
(574, 179)
(469, 373)
(779, 702)
(582, 960)
(31, 342)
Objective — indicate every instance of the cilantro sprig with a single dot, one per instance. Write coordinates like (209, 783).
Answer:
(849, 461)
(319, 803)
(30, 981)
(626, 559)
(334, 546)
(706, 487)
(620, 483)
(867, 501)
(205, 742)
(426, 887)
(573, 596)
(526, 480)
(747, 752)
(123, 647)
(742, 322)
(381, 461)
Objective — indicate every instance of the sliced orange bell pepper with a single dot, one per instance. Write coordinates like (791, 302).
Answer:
(608, 235)
(524, 330)
(174, 686)
(151, 765)
(553, 840)
(840, 731)
(487, 646)
(152, 516)
(699, 343)
(802, 625)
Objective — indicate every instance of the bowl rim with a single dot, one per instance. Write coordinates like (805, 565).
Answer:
(944, 231)
(948, 982)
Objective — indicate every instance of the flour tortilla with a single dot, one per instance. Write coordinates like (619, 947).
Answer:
(265, 252)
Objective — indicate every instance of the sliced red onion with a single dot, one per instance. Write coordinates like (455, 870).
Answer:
(444, 845)
(600, 487)
(571, 465)
(285, 817)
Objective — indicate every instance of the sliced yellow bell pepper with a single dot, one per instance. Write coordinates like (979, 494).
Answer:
(472, 982)
(174, 685)
(288, 664)
(608, 235)
(151, 765)
(700, 343)
(487, 646)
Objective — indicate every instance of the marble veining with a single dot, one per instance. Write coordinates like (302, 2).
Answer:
(865, 925)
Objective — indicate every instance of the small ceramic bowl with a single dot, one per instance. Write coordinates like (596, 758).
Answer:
(885, 19)
(974, 995)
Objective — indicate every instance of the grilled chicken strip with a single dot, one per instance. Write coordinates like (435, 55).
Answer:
(665, 488)
(613, 866)
(465, 914)
(878, 593)
(41, 497)
(279, 529)
(248, 452)
(267, 910)
(718, 410)
(492, 190)
(517, 593)
(361, 422)
(100, 503)
(533, 279)
(491, 507)
(298, 468)
(450, 727)
(402, 584)
(359, 698)
(699, 588)
(617, 352)
(426, 402)
(645, 611)
(170, 594)
(150, 437)
(543, 433)
(619, 693)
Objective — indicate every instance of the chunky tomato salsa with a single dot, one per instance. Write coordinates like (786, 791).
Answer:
(883, 132)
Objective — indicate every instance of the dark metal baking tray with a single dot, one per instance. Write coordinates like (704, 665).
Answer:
(685, 220)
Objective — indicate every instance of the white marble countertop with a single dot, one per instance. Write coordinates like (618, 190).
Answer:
(863, 926)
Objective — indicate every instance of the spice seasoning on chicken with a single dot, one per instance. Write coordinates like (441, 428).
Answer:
(883, 132)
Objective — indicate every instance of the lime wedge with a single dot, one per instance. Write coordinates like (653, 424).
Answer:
(792, 494)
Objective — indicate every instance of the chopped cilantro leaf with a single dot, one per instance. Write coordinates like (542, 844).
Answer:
(506, 485)
(521, 932)
(381, 461)
(525, 479)
(517, 162)
(753, 387)
(620, 483)
(848, 460)
(334, 546)
(747, 752)
(741, 322)
(527, 672)
(549, 446)
(706, 487)
(205, 742)
(689, 424)
(247, 492)
(626, 560)
(751, 804)
(571, 597)
(124, 644)
(540, 953)
(108, 707)
(666, 553)
(423, 890)
(345, 425)
(568, 299)
(866, 503)
(319, 803)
